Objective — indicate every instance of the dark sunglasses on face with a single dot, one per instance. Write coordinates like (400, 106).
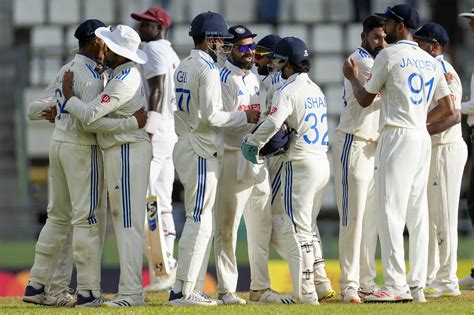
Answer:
(260, 55)
(243, 49)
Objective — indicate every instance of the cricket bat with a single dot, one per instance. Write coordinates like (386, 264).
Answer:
(155, 246)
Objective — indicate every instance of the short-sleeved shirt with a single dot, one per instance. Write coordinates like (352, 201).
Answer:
(408, 79)
(162, 59)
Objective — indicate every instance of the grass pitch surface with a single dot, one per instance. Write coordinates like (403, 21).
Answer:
(459, 305)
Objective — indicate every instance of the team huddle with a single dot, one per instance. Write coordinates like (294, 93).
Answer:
(245, 129)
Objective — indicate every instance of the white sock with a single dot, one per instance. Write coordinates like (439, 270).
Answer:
(178, 286)
(84, 293)
(35, 285)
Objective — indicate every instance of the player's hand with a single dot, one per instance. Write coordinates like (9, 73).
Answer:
(250, 152)
(141, 116)
(449, 77)
(350, 69)
(253, 116)
(50, 114)
(67, 84)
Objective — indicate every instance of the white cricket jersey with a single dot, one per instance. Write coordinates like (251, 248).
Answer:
(467, 107)
(162, 59)
(408, 79)
(302, 104)
(240, 91)
(88, 83)
(453, 133)
(199, 105)
(122, 97)
(356, 120)
(267, 89)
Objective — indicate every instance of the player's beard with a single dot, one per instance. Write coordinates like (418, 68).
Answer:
(262, 70)
(242, 64)
(390, 38)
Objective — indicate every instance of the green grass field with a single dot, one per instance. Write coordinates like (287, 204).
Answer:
(460, 305)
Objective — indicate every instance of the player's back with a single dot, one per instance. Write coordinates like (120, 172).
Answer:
(308, 116)
(126, 85)
(354, 119)
(198, 87)
(88, 83)
(411, 79)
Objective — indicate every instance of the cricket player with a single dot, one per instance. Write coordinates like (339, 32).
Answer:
(467, 108)
(243, 187)
(448, 157)
(128, 154)
(199, 149)
(408, 79)
(301, 103)
(353, 148)
(75, 197)
(158, 74)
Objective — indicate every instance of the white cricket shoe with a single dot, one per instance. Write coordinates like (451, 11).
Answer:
(90, 301)
(385, 295)
(230, 298)
(268, 296)
(324, 291)
(164, 283)
(126, 300)
(468, 282)
(59, 299)
(34, 296)
(368, 290)
(418, 295)
(436, 290)
(350, 295)
(193, 299)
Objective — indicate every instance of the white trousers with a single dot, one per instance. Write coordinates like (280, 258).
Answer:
(353, 164)
(235, 196)
(444, 188)
(199, 178)
(401, 176)
(76, 177)
(161, 183)
(278, 241)
(127, 169)
(304, 184)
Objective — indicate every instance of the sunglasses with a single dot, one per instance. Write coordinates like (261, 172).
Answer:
(397, 17)
(243, 49)
(260, 55)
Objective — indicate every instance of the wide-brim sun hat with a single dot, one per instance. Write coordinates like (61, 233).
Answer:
(124, 41)
(468, 15)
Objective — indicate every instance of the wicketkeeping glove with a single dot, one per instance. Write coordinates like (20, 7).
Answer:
(250, 151)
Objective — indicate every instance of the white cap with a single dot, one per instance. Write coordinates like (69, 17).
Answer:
(468, 15)
(124, 41)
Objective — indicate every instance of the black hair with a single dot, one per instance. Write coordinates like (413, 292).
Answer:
(83, 43)
(303, 67)
(198, 40)
(371, 22)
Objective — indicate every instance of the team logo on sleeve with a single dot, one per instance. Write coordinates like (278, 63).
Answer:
(273, 110)
(105, 98)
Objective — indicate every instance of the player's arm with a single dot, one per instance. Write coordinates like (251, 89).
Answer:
(210, 99)
(351, 72)
(42, 106)
(467, 107)
(118, 125)
(156, 86)
(114, 95)
(442, 96)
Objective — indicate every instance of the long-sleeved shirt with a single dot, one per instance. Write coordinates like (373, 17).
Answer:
(453, 133)
(354, 119)
(240, 91)
(121, 98)
(302, 104)
(199, 105)
(88, 83)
